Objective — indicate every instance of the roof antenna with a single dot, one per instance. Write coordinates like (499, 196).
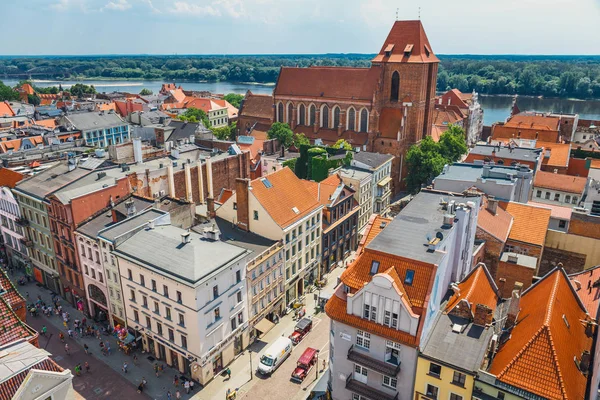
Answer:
(397, 9)
(419, 13)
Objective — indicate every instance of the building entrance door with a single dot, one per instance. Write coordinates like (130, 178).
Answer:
(237, 345)
(162, 354)
(360, 373)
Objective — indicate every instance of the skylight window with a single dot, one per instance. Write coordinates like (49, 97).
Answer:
(267, 183)
(410, 276)
(374, 267)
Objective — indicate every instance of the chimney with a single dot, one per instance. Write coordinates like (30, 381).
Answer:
(130, 207)
(137, 150)
(185, 238)
(242, 187)
(448, 219)
(584, 364)
(209, 177)
(514, 307)
(512, 258)
(171, 180)
(150, 224)
(200, 182)
(101, 175)
(483, 315)
(210, 206)
(492, 205)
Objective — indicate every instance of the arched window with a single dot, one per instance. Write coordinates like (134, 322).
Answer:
(324, 116)
(395, 89)
(312, 111)
(351, 125)
(289, 113)
(336, 117)
(280, 112)
(364, 120)
(302, 116)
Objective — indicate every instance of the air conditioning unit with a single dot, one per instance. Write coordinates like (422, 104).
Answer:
(162, 193)
(155, 195)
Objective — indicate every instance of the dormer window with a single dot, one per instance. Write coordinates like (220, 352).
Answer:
(427, 51)
(374, 267)
(408, 49)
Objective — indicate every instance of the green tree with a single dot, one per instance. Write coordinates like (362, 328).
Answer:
(222, 133)
(7, 93)
(33, 99)
(193, 114)
(282, 132)
(452, 144)
(145, 92)
(300, 139)
(424, 163)
(342, 144)
(79, 90)
(234, 99)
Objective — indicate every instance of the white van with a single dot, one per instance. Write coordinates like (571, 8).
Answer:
(274, 356)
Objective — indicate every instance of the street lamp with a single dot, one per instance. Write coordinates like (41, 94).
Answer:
(250, 353)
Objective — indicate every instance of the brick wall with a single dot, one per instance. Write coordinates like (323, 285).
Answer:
(571, 261)
(531, 250)
(585, 225)
(493, 250)
(509, 273)
(243, 211)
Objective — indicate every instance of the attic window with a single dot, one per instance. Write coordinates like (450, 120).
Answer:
(410, 276)
(564, 317)
(295, 209)
(267, 183)
(388, 50)
(374, 267)
(408, 50)
(427, 51)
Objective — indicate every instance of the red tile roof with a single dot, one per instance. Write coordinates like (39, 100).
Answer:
(587, 287)
(11, 327)
(10, 293)
(498, 225)
(530, 223)
(9, 177)
(401, 36)
(376, 224)
(286, 192)
(26, 88)
(549, 336)
(9, 387)
(6, 109)
(257, 106)
(328, 83)
(559, 153)
(559, 212)
(478, 287)
(564, 183)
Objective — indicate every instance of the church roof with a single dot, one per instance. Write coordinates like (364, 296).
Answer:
(406, 37)
(328, 82)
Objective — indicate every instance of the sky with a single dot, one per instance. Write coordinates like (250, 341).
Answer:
(78, 27)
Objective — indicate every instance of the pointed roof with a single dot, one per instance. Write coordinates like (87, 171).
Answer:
(549, 335)
(406, 36)
(478, 287)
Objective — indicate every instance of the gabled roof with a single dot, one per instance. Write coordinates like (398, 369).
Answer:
(9, 177)
(549, 337)
(498, 225)
(559, 153)
(530, 223)
(257, 106)
(478, 287)
(328, 82)
(285, 192)
(6, 109)
(328, 191)
(537, 122)
(376, 224)
(406, 35)
(9, 292)
(556, 211)
(587, 286)
(12, 328)
(564, 183)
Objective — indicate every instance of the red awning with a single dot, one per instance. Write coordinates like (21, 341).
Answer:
(307, 356)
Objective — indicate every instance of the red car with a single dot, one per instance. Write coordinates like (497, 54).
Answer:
(302, 328)
(306, 362)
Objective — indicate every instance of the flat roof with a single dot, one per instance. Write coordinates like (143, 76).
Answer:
(18, 357)
(355, 173)
(48, 181)
(522, 260)
(233, 235)
(472, 172)
(114, 231)
(516, 153)
(162, 249)
(373, 160)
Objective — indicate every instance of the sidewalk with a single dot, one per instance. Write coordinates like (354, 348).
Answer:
(157, 387)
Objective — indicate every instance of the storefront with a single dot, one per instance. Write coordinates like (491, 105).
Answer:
(221, 355)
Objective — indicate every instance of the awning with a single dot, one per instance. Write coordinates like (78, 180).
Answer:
(384, 181)
(264, 326)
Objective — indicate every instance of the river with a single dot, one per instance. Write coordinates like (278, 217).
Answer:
(496, 108)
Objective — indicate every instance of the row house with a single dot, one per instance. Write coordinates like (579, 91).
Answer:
(389, 296)
(69, 207)
(280, 207)
(185, 294)
(558, 189)
(340, 220)
(12, 228)
(98, 129)
(380, 166)
(361, 181)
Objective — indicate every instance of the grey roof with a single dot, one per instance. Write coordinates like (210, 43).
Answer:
(517, 153)
(162, 249)
(50, 180)
(95, 120)
(373, 160)
(472, 172)
(182, 130)
(105, 219)
(19, 357)
(408, 234)
(523, 260)
(88, 184)
(465, 350)
(114, 231)
(354, 173)
(238, 237)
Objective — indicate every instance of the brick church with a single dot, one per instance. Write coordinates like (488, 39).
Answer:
(384, 108)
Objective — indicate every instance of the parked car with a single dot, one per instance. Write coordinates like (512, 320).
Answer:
(306, 362)
(274, 356)
(301, 329)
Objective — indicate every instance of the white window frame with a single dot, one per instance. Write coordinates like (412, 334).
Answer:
(392, 382)
(365, 339)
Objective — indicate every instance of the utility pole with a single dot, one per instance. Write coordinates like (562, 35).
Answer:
(251, 371)
(317, 369)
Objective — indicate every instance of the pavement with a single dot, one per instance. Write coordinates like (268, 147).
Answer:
(107, 381)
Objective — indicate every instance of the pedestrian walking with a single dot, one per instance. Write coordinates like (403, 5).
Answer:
(135, 358)
(107, 346)
(61, 336)
(191, 386)
(175, 381)
(125, 365)
(228, 372)
(78, 370)
(27, 294)
(86, 349)
(87, 366)
(186, 385)
(65, 324)
(44, 330)
(324, 364)
(70, 333)
(67, 348)
(156, 369)
(169, 396)
(178, 395)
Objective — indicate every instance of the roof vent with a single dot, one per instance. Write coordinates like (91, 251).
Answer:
(101, 175)
(185, 237)
(150, 224)
(295, 209)
(512, 258)
(448, 219)
(458, 328)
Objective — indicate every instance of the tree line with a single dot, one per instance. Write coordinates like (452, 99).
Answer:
(551, 76)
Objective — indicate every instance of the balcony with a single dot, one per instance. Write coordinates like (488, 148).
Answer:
(367, 391)
(22, 221)
(27, 242)
(371, 363)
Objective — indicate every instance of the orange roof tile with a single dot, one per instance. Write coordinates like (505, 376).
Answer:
(375, 225)
(359, 273)
(224, 196)
(564, 183)
(539, 355)
(48, 123)
(10, 386)
(403, 35)
(178, 95)
(9, 177)
(10, 292)
(27, 88)
(498, 225)
(255, 148)
(559, 212)
(537, 122)
(595, 163)
(530, 223)
(500, 131)
(559, 153)
(12, 327)
(478, 287)
(6, 109)
(336, 310)
(257, 106)
(587, 287)
(286, 192)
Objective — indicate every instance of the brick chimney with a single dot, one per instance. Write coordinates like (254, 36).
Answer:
(483, 315)
(584, 363)
(210, 207)
(241, 193)
(514, 307)
(492, 205)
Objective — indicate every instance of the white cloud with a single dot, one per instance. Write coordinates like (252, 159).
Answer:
(152, 8)
(182, 7)
(66, 5)
(118, 5)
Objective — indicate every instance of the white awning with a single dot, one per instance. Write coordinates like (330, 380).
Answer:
(384, 181)
(264, 326)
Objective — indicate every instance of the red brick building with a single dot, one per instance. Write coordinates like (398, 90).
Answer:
(384, 108)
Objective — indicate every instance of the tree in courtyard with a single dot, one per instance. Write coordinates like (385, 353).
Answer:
(195, 115)
(145, 92)
(282, 132)
(33, 99)
(222, 133)
(79, 90)
(452, 143)
(342, 144)
(424, 163)
(234, 99)
(300, 139)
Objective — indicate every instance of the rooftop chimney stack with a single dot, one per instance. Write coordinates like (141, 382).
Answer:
(185, 238)
(514, 307)
(242, 187)
(492, 205)
(130, 207)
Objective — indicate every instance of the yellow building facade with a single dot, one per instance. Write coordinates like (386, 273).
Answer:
(437, 381)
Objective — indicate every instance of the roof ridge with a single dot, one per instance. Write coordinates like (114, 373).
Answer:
(552, 298)
(561, 382)
(521, 352)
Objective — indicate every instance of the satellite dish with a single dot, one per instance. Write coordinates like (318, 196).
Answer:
(439, 235)
(428, 237)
